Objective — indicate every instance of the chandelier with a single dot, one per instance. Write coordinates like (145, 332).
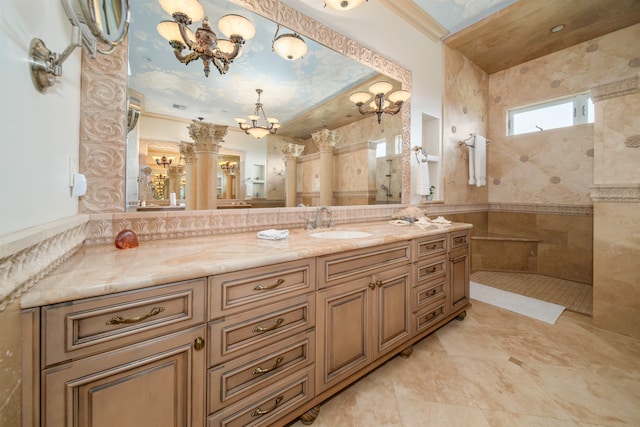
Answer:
(163, 161)
(204, 44)
(289, 46)
(230, 168)
(253, 129)
(380, 104)
(343, 4)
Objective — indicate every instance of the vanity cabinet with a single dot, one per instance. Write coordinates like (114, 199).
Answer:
(129, 359)
(262, 343)
(260, 346)
(363, 309)
(459, 268)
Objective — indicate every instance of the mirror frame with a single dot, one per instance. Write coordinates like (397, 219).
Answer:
(103, 109)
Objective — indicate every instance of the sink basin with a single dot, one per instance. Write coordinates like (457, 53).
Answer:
(340, 234)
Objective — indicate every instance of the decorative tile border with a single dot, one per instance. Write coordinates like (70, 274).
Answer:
(624, 193)
(616, 89)
(578, 210)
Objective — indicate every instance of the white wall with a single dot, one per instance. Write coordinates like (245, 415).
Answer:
(38, 132)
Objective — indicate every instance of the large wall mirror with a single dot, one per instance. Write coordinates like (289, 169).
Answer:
(306, 95)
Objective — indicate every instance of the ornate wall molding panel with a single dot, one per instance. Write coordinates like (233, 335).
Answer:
(579, 210)
(629, 193)
(103, 131)
(40, 251)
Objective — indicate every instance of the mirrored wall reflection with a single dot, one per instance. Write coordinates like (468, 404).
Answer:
(306, 95)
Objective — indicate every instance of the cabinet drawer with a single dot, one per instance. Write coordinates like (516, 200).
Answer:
(424, 319)
(269, 404)
(425, 294)
(358, 263)
(85, 327)
(459, 239)
(430, 246)
(431, 269)
(244, 376)
(242, 290)
(250, 331)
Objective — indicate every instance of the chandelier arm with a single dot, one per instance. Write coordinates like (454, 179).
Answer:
(221, 64)
(185, 37)
(394, 109)
(365, 111)
(186, 59)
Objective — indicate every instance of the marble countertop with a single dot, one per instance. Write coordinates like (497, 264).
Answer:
(104, 269)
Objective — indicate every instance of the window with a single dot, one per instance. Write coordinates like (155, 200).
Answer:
(381, 148)
(571, 111)
(398, 144)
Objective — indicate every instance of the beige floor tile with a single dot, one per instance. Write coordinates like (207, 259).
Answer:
(500, 369)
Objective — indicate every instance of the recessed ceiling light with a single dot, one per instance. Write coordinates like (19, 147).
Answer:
(557, 28)
(179, 107)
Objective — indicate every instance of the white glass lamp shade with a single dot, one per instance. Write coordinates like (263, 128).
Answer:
(276, 126)
(237, 25)
(192, 8)
(343, 4)
(290, 46)
(241, 120)
(374, 105)
(225, 46)
(171, 31)
(272, 120)
(380, 87)
(399, 96)
(359, 97)
(258, 132)
(244, 126)
(254, 117)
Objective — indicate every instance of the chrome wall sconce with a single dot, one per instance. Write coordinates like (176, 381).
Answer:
(204, 44)
(100, 29)
(289, 46)
(379, 104)
(134, 105)
(343, 4)
(253, 129)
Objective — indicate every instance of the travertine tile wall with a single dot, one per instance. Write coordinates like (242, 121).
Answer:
(465, 111)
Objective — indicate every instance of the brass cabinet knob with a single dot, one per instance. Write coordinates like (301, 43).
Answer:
(198, 343)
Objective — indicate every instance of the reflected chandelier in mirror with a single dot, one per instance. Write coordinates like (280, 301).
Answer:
(102, 143)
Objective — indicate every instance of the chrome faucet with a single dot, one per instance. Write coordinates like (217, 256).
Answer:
(319, 215)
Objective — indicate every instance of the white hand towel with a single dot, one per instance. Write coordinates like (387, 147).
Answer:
(472, 169)
(423, 179)
(480, 160)
(273, 234)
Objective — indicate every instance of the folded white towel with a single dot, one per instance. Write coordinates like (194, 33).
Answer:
(423, 179)
(441, 220)
(273, 234)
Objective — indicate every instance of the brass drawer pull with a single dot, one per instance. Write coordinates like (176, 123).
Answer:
(462, 239)
(431, 293)
(431, 316)
(120, 321)
(266, 288)
(259, 412)
(431, 269)
(261, 329)
(432, 246)
(260, 371)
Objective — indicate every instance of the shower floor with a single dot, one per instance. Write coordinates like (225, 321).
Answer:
(574, 296)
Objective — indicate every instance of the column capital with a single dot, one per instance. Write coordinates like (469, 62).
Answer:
(207, 137)
(187, 150)
(325, 139)
(292, 150)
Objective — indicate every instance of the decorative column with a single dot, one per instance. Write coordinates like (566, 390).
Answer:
(208, 138)
(229, 185)
(291, 153)
(187, 150)
(175, 173)
(325, 139)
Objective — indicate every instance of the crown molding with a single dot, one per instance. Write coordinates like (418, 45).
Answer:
(417, 18)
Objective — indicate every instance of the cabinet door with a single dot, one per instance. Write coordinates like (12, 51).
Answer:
(158, 383)
(459, 278)
(392, 309)
(344, 331)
